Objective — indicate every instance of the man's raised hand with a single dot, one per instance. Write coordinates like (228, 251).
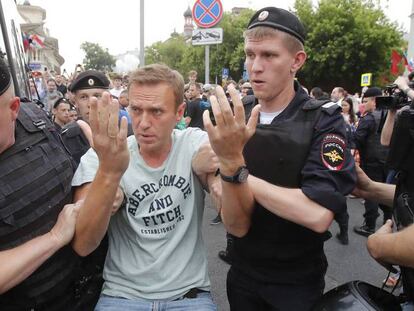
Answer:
(231, 132)
(109, 140)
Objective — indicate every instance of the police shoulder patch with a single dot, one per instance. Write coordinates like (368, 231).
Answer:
(333, 151)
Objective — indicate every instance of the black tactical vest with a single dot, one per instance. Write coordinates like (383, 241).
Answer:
(374, 152)
(276, 249)
(35, 184)
(75, 140)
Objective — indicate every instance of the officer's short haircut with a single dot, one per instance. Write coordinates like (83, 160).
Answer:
(292, 43)
(155, 74)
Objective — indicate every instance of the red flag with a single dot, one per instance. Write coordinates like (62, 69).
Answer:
(395, 61)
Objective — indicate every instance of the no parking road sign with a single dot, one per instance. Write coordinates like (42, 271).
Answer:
(207, 13)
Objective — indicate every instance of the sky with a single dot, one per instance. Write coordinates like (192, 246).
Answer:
(115, 24)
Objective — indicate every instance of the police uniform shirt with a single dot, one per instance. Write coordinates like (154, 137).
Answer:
(328, 174)
(305, 149)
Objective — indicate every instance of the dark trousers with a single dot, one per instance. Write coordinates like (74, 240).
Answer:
(247, 294)
(342, 219)
(376, 172)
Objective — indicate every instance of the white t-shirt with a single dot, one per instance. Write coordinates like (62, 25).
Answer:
(267, 117)
(115, 92)
(156, 250)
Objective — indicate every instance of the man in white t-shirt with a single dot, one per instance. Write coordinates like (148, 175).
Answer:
(156, 257)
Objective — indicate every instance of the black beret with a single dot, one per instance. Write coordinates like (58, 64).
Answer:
(5, 78)
(373, 92)
(279, 19)
(89, 79)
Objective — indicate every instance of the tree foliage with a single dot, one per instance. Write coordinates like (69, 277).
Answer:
(178, 53)
(346, 38)
(97, 57)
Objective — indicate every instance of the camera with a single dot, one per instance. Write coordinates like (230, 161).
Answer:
(394, 98)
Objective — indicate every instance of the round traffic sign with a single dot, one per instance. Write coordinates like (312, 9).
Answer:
(207, 13)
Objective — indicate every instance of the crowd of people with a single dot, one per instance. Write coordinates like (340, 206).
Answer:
(103, 185)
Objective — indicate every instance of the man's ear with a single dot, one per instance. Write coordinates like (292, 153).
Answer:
(180, 111)
(300, 58)
(14, 105)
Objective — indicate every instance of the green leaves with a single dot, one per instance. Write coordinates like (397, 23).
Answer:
(178, 53)
(97, 57)
(345, 39)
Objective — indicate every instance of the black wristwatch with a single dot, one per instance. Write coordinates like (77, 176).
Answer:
(240, 177)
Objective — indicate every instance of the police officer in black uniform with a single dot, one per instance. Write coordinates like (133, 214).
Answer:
(77, 135)
(284, 179)
(367, 138)
(35, 184)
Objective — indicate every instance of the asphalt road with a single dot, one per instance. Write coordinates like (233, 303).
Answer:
(346, 263)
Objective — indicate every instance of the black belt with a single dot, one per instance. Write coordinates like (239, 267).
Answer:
(192, 293)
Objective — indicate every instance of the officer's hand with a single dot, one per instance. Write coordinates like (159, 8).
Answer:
(363, 183)
(231, 133)
(109, 141)
(205, 160)
(64, 229)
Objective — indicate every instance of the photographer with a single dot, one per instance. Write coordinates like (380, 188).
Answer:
(385, 246)
(403, 86)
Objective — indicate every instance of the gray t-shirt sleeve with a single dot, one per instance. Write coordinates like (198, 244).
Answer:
(87, 168)
(198, 138)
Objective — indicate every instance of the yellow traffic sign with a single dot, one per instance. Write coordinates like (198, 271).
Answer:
(366, 79)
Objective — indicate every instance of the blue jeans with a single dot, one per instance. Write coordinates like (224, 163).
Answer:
(407, 306)
(203, 302)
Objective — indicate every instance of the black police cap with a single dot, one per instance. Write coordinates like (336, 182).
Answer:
(89, 79)
(5, 78)
(279, 19)
(373, 92)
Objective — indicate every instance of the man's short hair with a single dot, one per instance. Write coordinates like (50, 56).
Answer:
(340, 89)
(317, 92)
(192, 73)
(197, 85)
(156, 74)
(263, 32)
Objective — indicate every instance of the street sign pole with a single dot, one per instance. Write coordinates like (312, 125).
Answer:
(141, 36)
(207, 62)
(206, 14)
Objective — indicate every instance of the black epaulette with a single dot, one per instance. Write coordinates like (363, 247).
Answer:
(313, 104)
(71, 129)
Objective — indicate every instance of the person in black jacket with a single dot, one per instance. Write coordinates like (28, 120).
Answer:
(284, 178)
(373, 155)
(36, 262)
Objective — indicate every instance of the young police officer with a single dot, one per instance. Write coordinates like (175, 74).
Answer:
(299, 167)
